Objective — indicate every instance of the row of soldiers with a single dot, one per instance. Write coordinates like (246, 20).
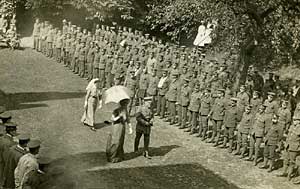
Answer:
(20, 165)
(188, 90)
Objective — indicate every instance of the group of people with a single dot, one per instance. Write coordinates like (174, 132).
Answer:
(8, 31)
(186, 89)
(20, 165)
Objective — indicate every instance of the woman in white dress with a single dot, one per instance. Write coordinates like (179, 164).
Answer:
(91, 103)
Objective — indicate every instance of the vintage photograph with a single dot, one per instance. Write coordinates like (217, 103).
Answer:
(149, 94)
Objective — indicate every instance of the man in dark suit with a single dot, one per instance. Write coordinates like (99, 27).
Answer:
(144, 118)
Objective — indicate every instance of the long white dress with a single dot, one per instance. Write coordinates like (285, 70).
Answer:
(199, 38)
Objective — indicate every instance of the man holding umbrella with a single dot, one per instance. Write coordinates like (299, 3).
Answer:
(144, 118)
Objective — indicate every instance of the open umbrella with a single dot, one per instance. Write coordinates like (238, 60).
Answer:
(112, 97)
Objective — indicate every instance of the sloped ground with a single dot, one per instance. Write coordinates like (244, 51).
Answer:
(47, 101)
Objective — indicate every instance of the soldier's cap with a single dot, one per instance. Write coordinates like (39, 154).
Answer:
(234, 99)
(44, 160)
(296, 117)
(271, 73)
(207, 89)
(175, 73)
(113, 27)
(131, 71)
(34, 143)
(5, 115)
(165, 70)
(221, 90)
(223, 65)
(242, 86)
(249, 107)
(183, 46)
(271, 93)
(147, 34)
(186, 79)
(10, 125)
(24, 136)
(148, 98)
(185, 67)
(256, 92)
(64, 21)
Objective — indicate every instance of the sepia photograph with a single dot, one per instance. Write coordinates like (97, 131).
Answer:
(149, 94)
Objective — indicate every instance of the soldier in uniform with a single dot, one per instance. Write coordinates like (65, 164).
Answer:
(284, 117)
(143, 85)
(152, 87)
(36, 33)
(27, 163)
(217, 115)
(269, 84)
(102, 60)
(292, 148)
(206, 104)
(271, 140)
(163, 87)
(82, 59)
(257, 134)
(6, 142)
(244, 128)
(194, 107)
(185, 95)
(243, 100)
(255, 101)
(131, 83)
(230, 123)
(144, 118)
(13, 156)
(271, 109)
(172, 97)
(90, 60)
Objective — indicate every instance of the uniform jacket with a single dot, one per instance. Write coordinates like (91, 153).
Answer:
(206, 104)
(13, 156)
(173, 90)
(259, 125)
(143, 82)
(185, 95)
(272, 107)
(284, 117)
(143, 117)
(165, 87)
(255, 103)
(231, 117)
(243, 100)
(246, 123)
(273, 135)
(293, 139)
(218, 109)
(5, 143)
(152, 87)
(195, 101)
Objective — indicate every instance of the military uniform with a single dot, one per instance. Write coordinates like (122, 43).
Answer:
(194, 106)
(205, 109)
(185, 95)
(144, 118)
(230, 122)
(172, 97)
(163, 87)
(243, 101)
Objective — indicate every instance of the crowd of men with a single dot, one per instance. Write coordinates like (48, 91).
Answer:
(8, 31)
(188, 90)
(20, 165)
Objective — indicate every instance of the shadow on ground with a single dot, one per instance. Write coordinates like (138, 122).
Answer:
(167, 176)
(17, 101)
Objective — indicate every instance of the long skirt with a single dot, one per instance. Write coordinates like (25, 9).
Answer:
(115, 143)
(89, 113)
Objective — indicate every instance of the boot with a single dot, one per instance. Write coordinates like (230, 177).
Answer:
(237, 152)
(284, 171)
(265, 165)
(211, 140)
(224, 142)
(271, 166)
(230, 145)
(290, 172)
(243, 152)
(250, 158)
(146, 155)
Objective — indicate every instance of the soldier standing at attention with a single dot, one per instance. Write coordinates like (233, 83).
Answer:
(271, 109)
(255, 102)
(131, 83)
(217, 116)
(194, 107)
(82, 59)
(27, 163)
(152, 88)
(257, 134)
(6, 142)
(142, 86)
(185, 95)
(230, 123)
(243, 101)
(205, 108)
(172, 97)
(244, 128)
(163, 87)
(292, 148)
(12, 158)
(36, 34)
(144, 118)
(271, 140)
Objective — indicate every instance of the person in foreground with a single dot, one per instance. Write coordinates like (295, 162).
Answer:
(90, 104)
(144, 118)
(115, 142)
